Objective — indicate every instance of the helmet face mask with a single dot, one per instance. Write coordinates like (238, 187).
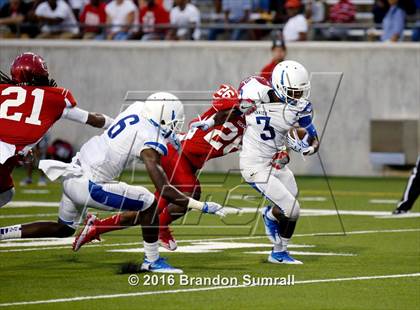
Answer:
(294, 94)
(165, 111)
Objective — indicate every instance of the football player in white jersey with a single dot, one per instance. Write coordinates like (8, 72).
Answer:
(140, 132)
(281, 104)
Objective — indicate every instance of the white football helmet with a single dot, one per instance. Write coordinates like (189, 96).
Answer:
(165, 111)
(290, 81)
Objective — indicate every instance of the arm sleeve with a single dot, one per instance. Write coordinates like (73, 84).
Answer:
(225, 5)
(131, 8)
(195, 16)
(172, 17)
(68, 97)
(75, 114)
(39, 10)
(63, 11)
(303, 25)
(398, 24)
(83, 15)
(108, 9)
(247, 5)
(157, 144)
(305, 120)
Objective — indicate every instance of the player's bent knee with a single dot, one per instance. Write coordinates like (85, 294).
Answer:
(6, 196)
(293, 211)
(65, 231)
(150, 203)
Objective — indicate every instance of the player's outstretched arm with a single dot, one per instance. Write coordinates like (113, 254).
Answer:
(151, 159)
(217, 119)
(99, 120)
(84, 117)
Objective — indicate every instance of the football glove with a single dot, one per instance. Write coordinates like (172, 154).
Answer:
(280, 160)
(298, 145)
(203, 124)
(174, 141)
(213, 208)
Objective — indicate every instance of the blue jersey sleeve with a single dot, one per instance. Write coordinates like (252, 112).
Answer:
(305, 121)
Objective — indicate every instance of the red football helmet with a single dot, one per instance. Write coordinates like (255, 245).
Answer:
(225, 96)
(29, 69)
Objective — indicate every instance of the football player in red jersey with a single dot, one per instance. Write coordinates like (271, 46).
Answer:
(215, 133)
(30, 103)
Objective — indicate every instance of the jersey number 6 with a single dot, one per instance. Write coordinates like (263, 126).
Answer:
(122, 123)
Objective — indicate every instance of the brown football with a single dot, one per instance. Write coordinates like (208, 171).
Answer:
(299, 133)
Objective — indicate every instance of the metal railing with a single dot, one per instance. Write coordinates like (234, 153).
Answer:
(364, 27)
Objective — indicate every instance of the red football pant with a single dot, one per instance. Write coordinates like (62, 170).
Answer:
(181, 174)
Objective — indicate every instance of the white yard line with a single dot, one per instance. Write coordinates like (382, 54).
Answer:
(306, 253)
(384, 201)
(339, 233)
(308, 198)
(26, 204)
(229, 210)
(35, 191)
(21, 216)
(201, 289)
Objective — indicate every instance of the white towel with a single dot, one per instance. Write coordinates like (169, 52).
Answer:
(54, 169)
(6, 151)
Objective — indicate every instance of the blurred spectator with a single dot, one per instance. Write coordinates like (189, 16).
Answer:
(379, 10)
(317, 11)
(279, 53)
(57, 19)
(121, 17)
(416, 30)
(236, 12)
(296, 27)
(409, 6)
(261, 15)
(393, 23)
(92, 16)
(182, 15)
(3, 2)
(13, 14)
(150, 15)
(77, 6)
(278, 7)
(340, 13)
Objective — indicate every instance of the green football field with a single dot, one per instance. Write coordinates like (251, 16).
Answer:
(375, 264)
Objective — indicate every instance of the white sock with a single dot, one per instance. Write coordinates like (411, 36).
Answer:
(11, 232)
(151, 250)
(281, 247)
(271, 216)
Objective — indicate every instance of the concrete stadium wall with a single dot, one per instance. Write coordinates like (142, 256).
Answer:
(379, 82)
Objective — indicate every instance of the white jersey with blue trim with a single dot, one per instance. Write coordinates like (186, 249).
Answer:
(103, 158)
(268, 125)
